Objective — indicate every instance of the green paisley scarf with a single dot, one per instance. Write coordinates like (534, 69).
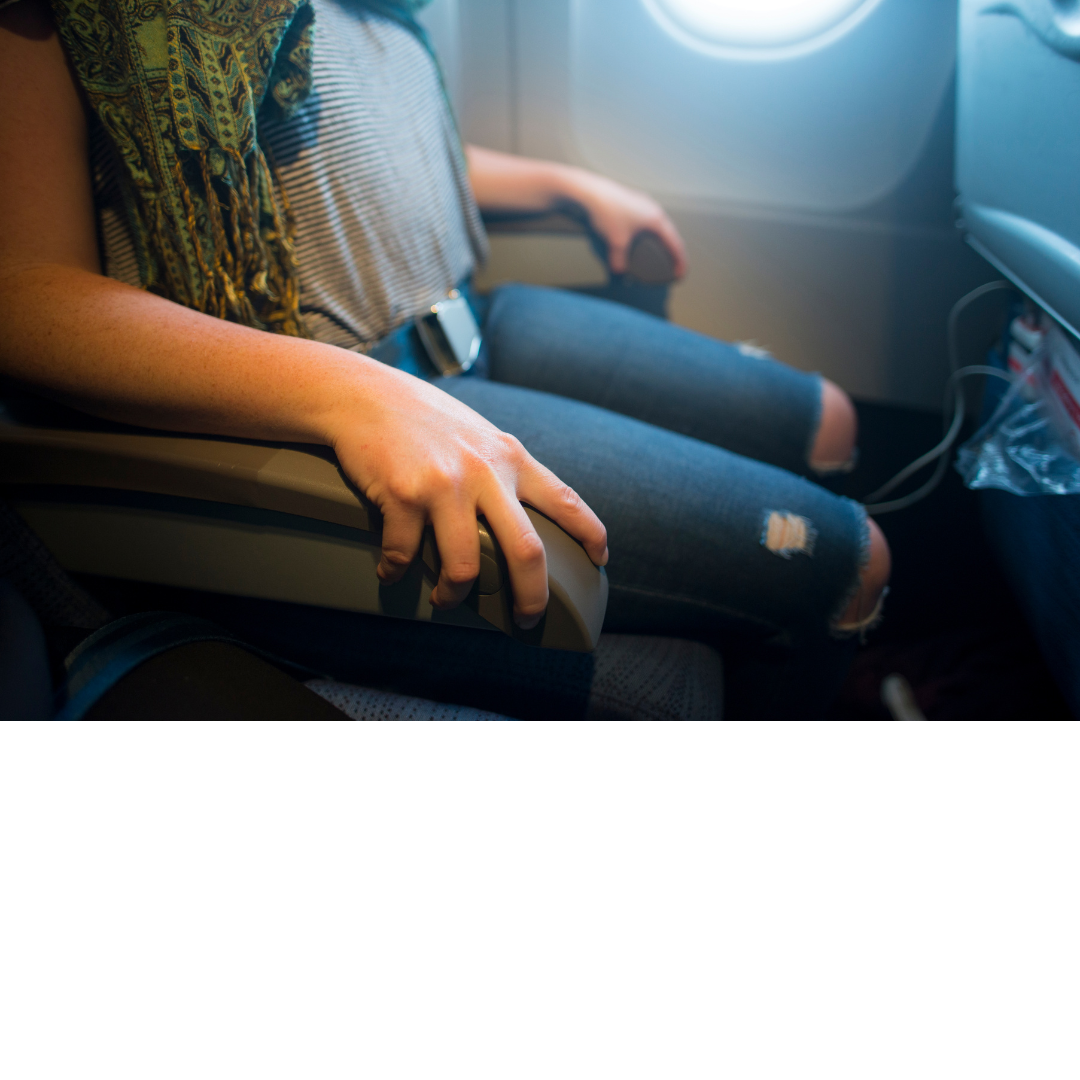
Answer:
(178, 85)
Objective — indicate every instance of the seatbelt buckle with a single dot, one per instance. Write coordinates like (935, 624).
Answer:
(450, 334)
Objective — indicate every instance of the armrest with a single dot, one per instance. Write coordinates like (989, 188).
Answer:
(276, 521)
(649, 261)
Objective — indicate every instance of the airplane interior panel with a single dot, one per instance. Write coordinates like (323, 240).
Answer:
(1019, 74)
(828, 131)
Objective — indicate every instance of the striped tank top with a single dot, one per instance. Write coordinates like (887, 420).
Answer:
(386, 220)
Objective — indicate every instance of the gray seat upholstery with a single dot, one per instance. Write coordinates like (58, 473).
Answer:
(633, 678)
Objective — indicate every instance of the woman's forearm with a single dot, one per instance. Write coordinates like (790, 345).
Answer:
(509, 182)
(125, 354)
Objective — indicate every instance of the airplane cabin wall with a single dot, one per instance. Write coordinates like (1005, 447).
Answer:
(815, 192)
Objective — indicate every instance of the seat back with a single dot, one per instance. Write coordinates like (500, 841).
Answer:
(1018, 145)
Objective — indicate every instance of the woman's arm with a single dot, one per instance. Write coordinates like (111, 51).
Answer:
(508, 182)
(125, 354)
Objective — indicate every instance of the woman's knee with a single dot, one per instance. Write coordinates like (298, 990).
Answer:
(864, 607)
(833, 449)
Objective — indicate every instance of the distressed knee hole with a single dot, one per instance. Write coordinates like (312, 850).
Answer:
(862, 612)
(835, 468)
(786, 534)
(833, 447)
(865, 623)
(753, 350)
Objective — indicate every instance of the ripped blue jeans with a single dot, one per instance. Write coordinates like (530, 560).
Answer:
(695, 457)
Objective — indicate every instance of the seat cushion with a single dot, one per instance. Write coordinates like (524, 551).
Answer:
(655, 678)
(363, 703)
(632, 678)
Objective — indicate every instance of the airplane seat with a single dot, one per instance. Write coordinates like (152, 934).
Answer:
(153, 665)
(25, 683)
(280, 524)
(1018, 155)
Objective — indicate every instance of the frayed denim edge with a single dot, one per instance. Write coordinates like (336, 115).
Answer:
(853, 589)
(827, 472)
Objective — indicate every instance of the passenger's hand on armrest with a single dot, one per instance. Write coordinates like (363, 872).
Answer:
(618, 213)
(125, 354)
(420, 455)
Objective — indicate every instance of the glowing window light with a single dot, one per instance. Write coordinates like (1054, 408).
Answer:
(765, 29)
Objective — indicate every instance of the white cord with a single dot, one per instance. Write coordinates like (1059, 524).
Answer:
(939, 451)
(958, 308)
(952, 430)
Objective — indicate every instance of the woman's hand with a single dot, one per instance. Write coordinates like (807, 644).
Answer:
(422, 456)
(618, 213)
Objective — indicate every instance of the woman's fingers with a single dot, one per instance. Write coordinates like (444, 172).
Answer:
(524, 554)
(458, 541)
(459, 549)
(619, 214)
(403, 530)
(541, 488)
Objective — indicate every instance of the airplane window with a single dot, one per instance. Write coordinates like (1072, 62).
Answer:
(767, 29)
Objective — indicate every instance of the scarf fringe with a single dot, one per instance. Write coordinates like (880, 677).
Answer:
(242, 235)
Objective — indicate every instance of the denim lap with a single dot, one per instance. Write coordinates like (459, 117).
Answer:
(635, 364)
(703, 540)
(685, 520)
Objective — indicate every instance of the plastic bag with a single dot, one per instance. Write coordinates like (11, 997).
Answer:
(1031, 443)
